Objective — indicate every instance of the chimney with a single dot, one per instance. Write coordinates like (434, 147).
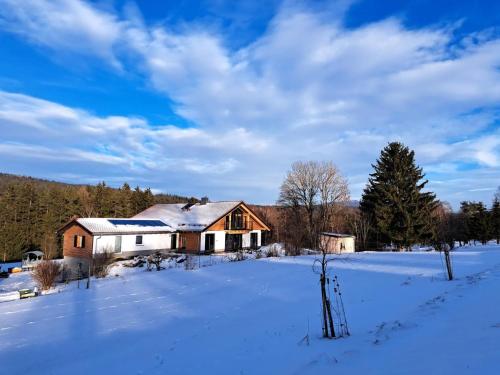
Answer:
(203, 201)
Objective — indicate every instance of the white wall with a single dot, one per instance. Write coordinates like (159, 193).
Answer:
(220, 240)
(334, 245)
(247, 236)
(149, 242)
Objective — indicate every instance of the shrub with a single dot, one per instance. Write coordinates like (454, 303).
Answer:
(238, 256)
(45, 273)
(273, 251)
(101, 263)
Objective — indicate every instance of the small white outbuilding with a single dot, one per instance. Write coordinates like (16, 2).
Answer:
(337, 243)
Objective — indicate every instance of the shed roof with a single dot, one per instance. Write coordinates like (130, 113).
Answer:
(34, 252)
(185, 217)
(124, 226)
(337, 235)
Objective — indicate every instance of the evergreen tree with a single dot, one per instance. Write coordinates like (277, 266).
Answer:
(477, 221)
(495, 220)
(149, 199)
(400, 211)
(137, 200)
(32, 210)
(123, 201)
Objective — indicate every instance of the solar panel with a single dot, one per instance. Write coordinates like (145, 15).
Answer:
(141, 223)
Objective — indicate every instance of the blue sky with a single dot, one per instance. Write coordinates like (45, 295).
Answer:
(218, 98)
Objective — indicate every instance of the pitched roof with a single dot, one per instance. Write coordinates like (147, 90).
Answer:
(195, 218)
(123, 226)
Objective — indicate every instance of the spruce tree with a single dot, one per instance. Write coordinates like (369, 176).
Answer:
(399, 210)
(477, 221)
(495, 220)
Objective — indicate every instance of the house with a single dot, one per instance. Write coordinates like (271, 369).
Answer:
(207, 227)
(337, 243)
(85, 237)
(203, 227)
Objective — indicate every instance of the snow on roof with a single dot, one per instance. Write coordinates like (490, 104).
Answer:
(34, 252)
(195, 218)
(114, 225)
(338, 235)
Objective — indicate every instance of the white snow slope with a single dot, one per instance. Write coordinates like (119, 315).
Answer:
(248, 318)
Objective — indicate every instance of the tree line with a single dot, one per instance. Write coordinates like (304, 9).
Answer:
(396, 210)
(32, 210)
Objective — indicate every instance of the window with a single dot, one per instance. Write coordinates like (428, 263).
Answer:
(79, 241)
(118, 244)
(138, 240)
(209, 242)
(263, 238)
(235, 220)
(234, 242)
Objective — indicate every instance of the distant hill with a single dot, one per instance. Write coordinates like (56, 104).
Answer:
(7, 179)
(32, 209)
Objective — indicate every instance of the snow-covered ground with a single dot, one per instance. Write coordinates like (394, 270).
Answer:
(250, 317)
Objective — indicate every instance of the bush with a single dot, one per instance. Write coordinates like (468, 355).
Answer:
(273, 251)
(101, 263)
(45, 274)
(238, 256)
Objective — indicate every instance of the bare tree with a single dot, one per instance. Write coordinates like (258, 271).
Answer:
(360, 225)
(444, 233)
(50, 245)
(314, 187)
(87, 201)
(328, 326)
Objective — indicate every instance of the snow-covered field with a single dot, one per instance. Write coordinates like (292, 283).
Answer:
(249, 318)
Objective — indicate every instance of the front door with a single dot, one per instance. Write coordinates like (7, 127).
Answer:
(254, 238)
(173, 241)
(209, 242)
(234, 242)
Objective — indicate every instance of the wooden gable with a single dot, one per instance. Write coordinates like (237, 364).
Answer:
(257, 223)
(83, 237)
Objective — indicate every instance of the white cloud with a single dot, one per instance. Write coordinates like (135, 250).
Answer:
(64, 25)
(307, 88)
(38, 128)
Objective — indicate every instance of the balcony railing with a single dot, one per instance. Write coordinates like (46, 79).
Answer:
(242, 225)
